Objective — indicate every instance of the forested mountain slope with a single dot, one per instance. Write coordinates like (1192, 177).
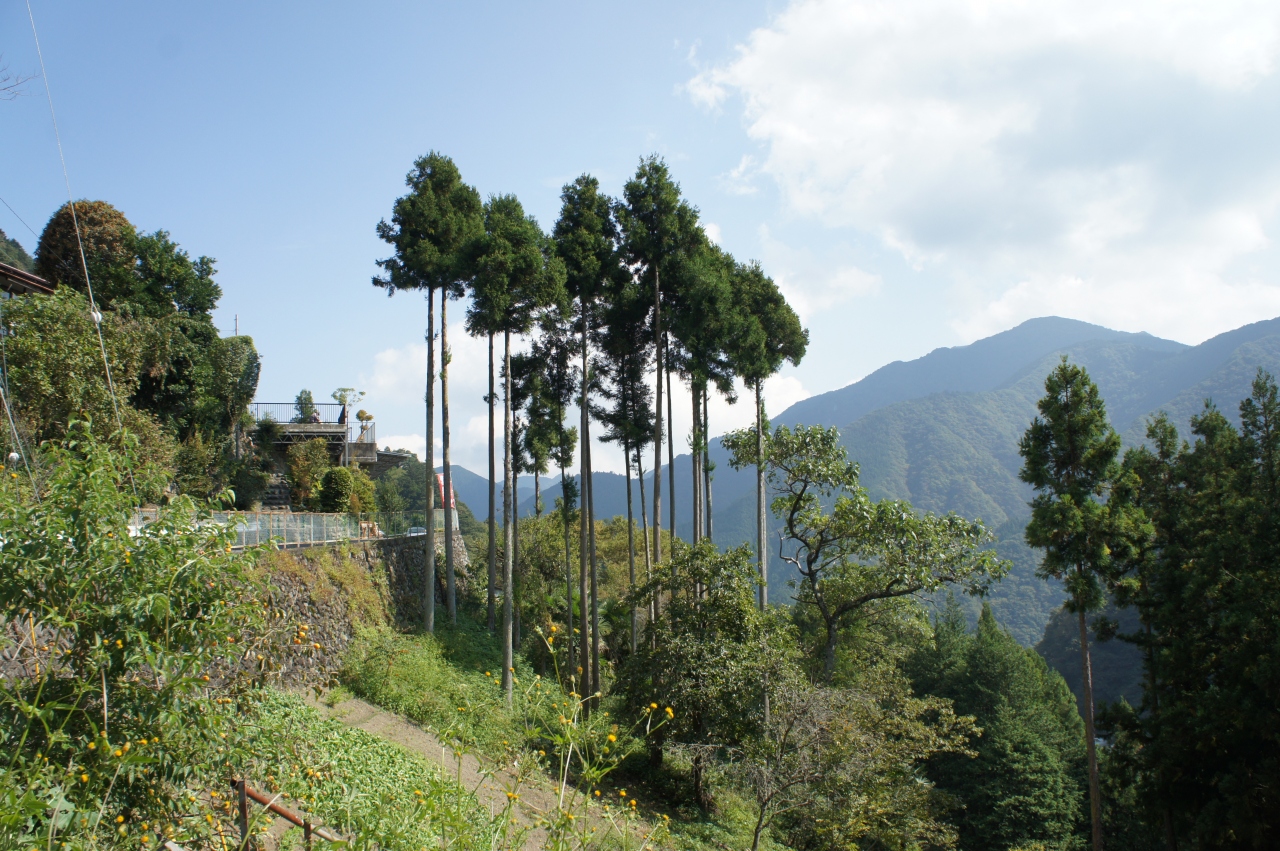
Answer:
(942, 431)
(957, 451)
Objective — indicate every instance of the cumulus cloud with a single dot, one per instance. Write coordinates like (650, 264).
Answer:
(1116, 151)
(813, 283)
(396, 385)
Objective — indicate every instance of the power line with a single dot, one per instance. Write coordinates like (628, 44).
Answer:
(84, 263)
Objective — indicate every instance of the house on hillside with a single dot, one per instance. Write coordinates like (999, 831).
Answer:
(15, 281)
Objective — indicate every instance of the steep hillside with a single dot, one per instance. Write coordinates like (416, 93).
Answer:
(953, 451)
(983, 365)
(12, 253)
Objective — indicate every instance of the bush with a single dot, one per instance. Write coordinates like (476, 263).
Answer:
(117, 635)
(336, 489)
(308, 462)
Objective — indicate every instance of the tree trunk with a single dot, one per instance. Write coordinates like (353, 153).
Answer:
(657, 421)
(631, 545)
(583, 671)
(429, 561)
(829, 651)
(761, 519)
(515, 550)
(695, 465)
(568, 559)
(1095, 793)
(708, 527)
(671, 448)
(451, 594)
(595, 597)
(644, 533)
(493, 508)
(537, 494)
(507, 500)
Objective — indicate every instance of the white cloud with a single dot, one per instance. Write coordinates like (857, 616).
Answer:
(713, 231)
(814, 284)
(396, 385)
(1023, 145)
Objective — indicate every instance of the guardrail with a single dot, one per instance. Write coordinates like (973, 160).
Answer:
(291, 530)
(288, 412)
(245, 793)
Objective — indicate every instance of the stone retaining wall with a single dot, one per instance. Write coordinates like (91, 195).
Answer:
(333, 590)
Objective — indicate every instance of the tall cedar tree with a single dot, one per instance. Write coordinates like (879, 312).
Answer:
(623, 346)
(1026, 785)
(767, 334)
(660, 234)
(514, 279)
(1208, 593)
(1069, 457)
(430, 230)
(555, 350)
(703, 323)
(586, 238)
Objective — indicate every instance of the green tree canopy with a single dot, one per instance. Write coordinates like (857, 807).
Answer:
(1026, 784)
(429, 229)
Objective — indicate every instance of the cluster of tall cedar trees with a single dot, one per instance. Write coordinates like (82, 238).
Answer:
(623, 291)
(1187, 535)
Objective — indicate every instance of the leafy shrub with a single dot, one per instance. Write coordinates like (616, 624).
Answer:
(117, 634)
(336, 489)
(308, 462)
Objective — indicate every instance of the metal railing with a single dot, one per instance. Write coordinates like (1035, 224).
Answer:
(245, 793)
(291, 530)
(287, 412)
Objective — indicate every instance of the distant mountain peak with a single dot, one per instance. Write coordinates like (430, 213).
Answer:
(981, 365)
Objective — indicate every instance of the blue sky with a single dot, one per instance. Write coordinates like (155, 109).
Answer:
(914, 174)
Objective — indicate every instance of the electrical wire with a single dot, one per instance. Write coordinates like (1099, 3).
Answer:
(95, 314)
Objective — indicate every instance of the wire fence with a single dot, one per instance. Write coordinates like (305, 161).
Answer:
(290, 529)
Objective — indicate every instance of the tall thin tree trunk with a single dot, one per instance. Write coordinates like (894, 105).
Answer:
(631, 546)
(507, 500)
(644, 533)
(429, 560)
(695, 463)
(584, 484)
(537, 494)
(657, 419)
(671, 447)
(515, 549)
(451, 595)
(708, 527)
(762, 530)
(568, 561)
(1095, 792)
(493, 508)
(595, 597)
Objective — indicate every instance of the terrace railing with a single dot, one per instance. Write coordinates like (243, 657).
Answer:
(291, 530)
(287, 412)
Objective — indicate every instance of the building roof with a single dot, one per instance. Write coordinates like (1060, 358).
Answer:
(16, 281)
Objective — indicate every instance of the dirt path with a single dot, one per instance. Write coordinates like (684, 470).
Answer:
(489, 782)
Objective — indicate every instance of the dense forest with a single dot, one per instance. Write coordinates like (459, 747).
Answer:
(881, 703)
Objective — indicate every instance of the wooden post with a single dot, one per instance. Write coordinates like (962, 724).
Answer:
(243, 804)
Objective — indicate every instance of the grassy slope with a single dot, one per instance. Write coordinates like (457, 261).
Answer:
(444, 684)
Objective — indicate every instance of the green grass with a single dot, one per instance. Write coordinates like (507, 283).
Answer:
(353, 781)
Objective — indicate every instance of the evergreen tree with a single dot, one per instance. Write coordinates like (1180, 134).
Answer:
(586, 238)
(1069, 457)
(1203, 750)
(660, 233)
(515, 276)
(430, 229)
(768, 332)
(1026, 782)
